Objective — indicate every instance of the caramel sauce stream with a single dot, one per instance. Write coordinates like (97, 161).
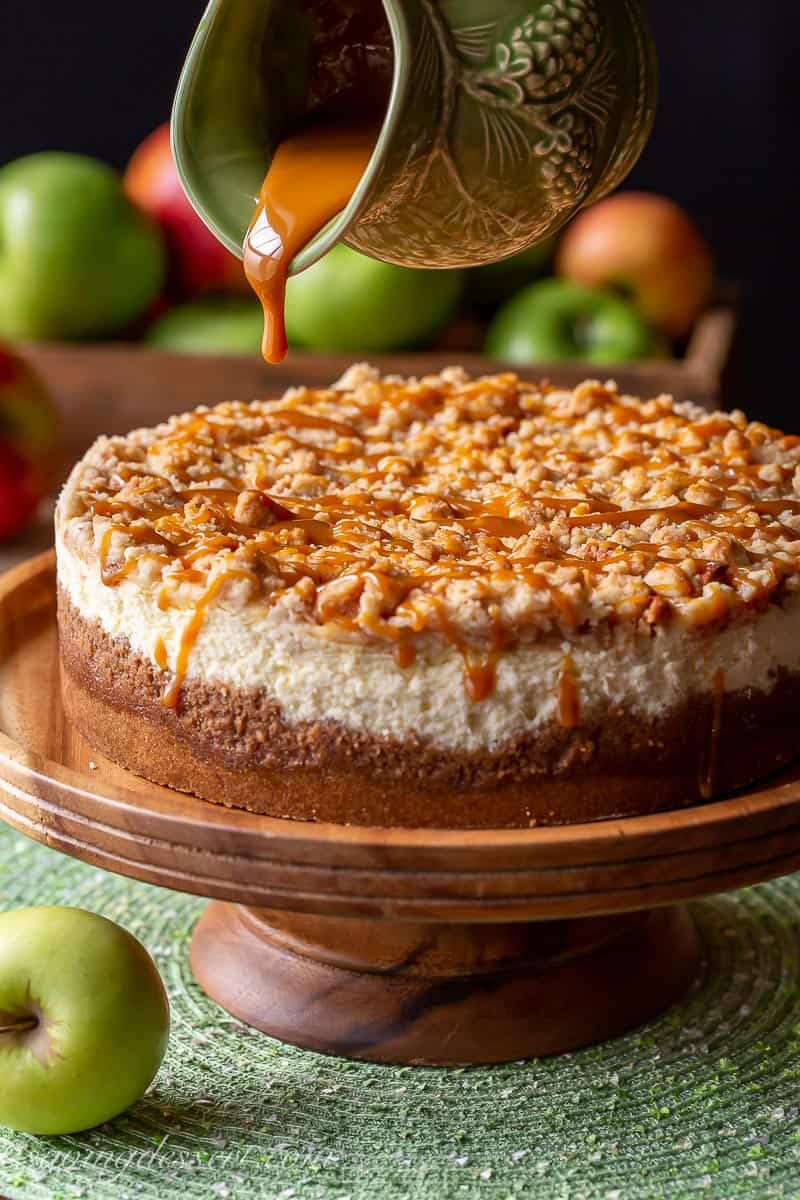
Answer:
(311, 178)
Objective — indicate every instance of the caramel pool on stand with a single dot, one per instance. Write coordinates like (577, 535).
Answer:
(311, 179)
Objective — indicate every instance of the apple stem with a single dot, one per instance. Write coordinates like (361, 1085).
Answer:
(23, 1026)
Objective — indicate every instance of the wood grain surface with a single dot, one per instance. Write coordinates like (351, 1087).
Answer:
(447, 995)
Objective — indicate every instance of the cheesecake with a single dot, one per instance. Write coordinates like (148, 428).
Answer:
(446, 601)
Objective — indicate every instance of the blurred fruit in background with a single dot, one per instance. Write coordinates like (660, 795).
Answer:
(79, 260)
(347, 302)
(647, 246)
(491, 285)
(30, 442)
(87, 254)
(559, 321)
(216, 325)
(199, 264)
(19, 491)
(28, 417)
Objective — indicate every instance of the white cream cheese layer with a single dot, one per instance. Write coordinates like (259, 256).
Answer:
(362, 689)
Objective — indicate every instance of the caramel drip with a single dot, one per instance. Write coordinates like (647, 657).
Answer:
(569, 704)
(709, 769)
(480, 676)
(160, 654)
(190, 634)
(405, 655)
(480, 668)
(311, 178)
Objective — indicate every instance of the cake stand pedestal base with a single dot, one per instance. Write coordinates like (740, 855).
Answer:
(441, 994)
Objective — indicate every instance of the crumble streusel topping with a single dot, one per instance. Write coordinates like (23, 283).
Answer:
(487, 510)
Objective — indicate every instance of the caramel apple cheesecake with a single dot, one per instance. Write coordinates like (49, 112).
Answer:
(442, 601)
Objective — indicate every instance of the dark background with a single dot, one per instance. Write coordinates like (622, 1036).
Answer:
(97, 77)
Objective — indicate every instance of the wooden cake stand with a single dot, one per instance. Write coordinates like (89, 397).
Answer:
(394, 945)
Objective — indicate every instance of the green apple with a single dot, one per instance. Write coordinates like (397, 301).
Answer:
(77, 258)
(348, 302)
(219, 325)
(491, 285)
(84, 1020)
(556, 320)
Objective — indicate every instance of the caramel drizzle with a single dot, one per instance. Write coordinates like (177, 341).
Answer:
(405, 654)
(709, 769)
(160, 654)
(185, 516)
(190, 634)
(311, 178)
(569, 703)
(480, 675)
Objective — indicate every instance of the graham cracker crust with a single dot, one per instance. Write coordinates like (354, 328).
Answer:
(232, 746)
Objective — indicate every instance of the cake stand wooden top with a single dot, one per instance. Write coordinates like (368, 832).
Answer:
(54, 788)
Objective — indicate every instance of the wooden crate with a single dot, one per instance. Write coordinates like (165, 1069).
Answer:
(115, 387)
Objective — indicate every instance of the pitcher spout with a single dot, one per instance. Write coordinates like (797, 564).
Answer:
(500, 118)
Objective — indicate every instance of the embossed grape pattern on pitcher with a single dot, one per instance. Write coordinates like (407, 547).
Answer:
(504, 119)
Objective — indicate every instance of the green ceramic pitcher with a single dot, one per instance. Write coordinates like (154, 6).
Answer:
(504, 118)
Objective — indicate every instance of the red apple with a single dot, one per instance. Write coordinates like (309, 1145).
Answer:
(29, 437)
(20, 491)
(199, 263)
(29, 422)
(647, 245)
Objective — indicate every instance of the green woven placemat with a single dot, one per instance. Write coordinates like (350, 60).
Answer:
(701, 1103)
